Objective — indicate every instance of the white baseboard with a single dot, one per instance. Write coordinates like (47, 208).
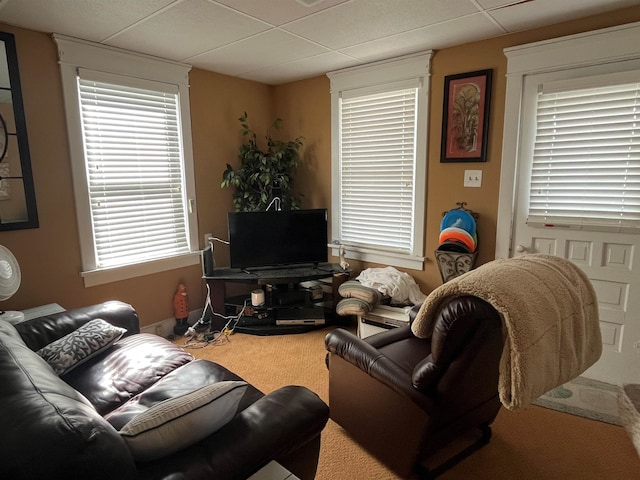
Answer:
(164, 328)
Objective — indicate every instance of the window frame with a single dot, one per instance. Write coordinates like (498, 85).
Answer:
(75, 54)
(381, 76)
(598, 52)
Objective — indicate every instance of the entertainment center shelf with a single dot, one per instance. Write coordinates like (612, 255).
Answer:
(273, 280)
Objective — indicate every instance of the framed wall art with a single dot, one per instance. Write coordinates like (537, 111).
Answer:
(465, 117)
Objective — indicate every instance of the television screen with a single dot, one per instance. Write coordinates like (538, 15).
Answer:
(274, 238)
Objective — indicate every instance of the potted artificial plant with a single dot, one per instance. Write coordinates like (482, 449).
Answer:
(264, 174)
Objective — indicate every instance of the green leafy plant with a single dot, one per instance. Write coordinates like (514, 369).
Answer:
(264, 174)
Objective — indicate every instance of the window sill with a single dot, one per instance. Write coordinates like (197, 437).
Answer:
(116, 274)
(384, 258)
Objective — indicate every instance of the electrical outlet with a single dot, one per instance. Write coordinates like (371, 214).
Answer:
(473, 178)
(206, 237)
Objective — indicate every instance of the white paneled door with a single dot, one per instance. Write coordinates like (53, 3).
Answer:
(572, 144)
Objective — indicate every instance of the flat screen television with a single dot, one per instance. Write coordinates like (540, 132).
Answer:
(277, 238)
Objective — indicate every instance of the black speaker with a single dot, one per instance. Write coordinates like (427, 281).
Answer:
(207, 261)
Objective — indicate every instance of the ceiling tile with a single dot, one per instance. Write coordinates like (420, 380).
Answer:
(265, 40)
(546, 12)
(187, 29)
(361, 21)
(278, 12)
(489, 4)
(308, 67)
(442, 35)
(260, 51)
(92, 20)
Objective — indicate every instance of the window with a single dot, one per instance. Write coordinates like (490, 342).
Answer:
(379, 160)
(134, 171)
(131, 159)
(586, 157)
(577, 68)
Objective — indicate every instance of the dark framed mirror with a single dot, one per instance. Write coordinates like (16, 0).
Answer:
(17, 195)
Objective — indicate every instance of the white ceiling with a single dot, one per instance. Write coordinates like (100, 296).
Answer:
(277, 41)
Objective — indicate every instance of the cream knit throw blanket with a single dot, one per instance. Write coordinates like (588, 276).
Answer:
(550, 321)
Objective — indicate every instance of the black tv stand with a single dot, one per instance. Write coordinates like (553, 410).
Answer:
(271, 268)
(269, 278)
(275, 275)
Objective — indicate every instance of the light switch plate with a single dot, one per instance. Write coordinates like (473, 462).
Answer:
(473, 178)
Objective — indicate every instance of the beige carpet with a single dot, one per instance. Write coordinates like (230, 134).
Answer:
(533, 444)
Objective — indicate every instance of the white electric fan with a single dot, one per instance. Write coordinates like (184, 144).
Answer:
(9, 283)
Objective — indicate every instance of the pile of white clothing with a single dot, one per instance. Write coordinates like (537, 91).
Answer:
(400, 286)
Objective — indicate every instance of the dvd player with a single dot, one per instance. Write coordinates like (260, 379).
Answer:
(387, 317)
(300, 316)
(302, 321)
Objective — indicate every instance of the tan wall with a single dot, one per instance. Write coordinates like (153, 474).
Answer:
(305, 107)
(49, 256)
(307, 102)
(217, 101)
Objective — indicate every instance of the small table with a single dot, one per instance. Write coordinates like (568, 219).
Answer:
(273, 471)
(42, 310)
(35, 312)
(382, 318)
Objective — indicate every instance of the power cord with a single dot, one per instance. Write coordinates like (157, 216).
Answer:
(276, 202)
(196, 340)
(226, 242)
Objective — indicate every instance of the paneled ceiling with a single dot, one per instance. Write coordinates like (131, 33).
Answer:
(278, 41)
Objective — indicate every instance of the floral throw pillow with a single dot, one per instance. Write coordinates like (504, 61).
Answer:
(73, 349)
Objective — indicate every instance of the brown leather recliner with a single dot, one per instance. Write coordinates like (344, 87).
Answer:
(402, 398)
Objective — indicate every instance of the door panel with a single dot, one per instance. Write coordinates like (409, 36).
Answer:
(610, 261)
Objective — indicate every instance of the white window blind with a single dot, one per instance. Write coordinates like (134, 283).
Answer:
(132, 146)
(377, 166)
(586, 160)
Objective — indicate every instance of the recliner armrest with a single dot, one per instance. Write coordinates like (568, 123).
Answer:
(367, 358)
(389, 336)
(413, 313)
(41, 331)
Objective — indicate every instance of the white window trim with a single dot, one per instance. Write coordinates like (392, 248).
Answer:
(414, 66)
(74, 54)
(610, 47)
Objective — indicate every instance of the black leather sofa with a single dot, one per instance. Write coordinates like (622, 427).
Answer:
(55, 427)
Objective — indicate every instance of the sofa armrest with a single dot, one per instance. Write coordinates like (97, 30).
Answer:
(274, 427)
(41, 331)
